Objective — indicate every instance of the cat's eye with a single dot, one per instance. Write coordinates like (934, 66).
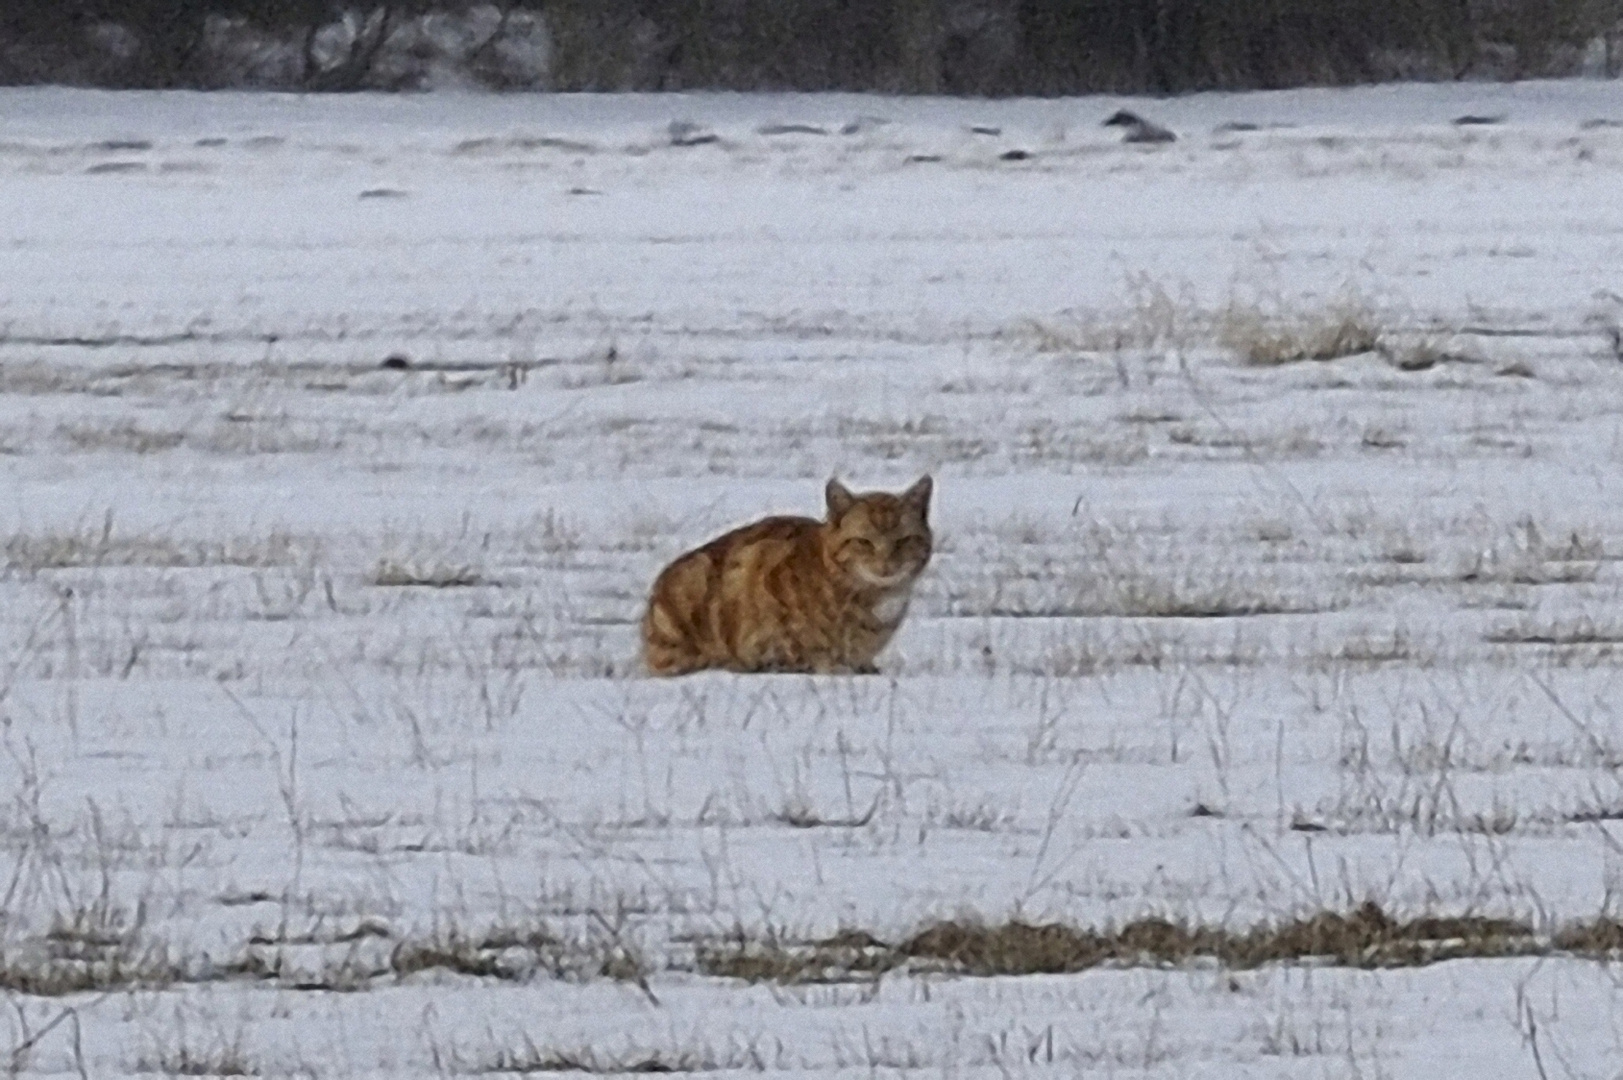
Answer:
(859, 546)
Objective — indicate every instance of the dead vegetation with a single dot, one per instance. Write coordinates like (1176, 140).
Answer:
(226, 1058)
(1561, 633)
(1268, 339)
(524, 1056)
(1152, 317)
(1131, 594)
(98, 947)
(40, 974)
(1137, 597)
(396, 573)
(105, 545)
(502, 952)
(1372, 649)
(369, 951)
(1367, 937)
(1261, 335)
(126, 436)
(850, 954)
(1600, 938)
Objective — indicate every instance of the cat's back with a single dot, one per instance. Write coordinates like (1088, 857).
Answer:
(753, 547)
(706, 597)
(771, 536)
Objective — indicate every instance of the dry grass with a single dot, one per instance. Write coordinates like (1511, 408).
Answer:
(1367, 937)
(503, 952)
(1530, 555)
(398, 573)
(1151, 318)
(226, 1059)
(96, 948)
(1423, 354)
(850, 954)
(104, 545)
(1262, 339)
(38, 976)
(1155, 318)
(1219, 599)
(1581, 631)
(525, 1057)
(516, 953)
(1370, 649)
(798, 815)
(126, 436)
(1598, 938)
(1135, 595)
(451, 952)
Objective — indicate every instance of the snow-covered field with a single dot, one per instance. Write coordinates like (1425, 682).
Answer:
(325, 751)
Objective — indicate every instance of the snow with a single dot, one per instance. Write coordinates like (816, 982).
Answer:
(1201, 639)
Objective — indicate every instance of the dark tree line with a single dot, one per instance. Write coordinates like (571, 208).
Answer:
(930, 46)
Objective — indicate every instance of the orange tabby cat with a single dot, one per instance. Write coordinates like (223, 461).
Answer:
(791, 593)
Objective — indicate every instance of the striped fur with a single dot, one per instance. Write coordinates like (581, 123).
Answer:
(792, 593)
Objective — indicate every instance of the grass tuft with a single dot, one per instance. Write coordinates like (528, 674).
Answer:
(484, 956)
(226, 1060)
(848, 955)
(526, 1058)
(1346, 328)
(104, 545)
(394, 573)
(1366, 937)
(1581, 631)
(1600, 938)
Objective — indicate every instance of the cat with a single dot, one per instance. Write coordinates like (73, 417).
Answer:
(793, 593)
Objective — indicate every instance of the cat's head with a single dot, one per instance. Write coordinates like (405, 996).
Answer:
(877, 540)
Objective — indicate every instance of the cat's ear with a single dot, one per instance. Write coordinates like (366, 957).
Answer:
(839, 498)
(917, 497)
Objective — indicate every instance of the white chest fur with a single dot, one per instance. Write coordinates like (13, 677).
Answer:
(891, 608)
